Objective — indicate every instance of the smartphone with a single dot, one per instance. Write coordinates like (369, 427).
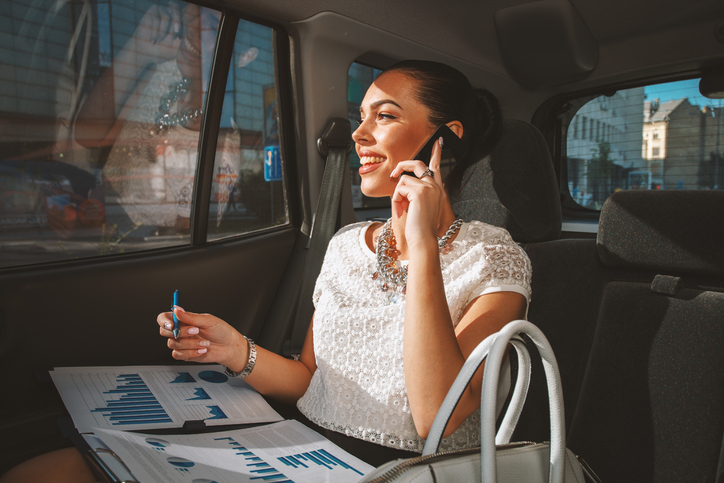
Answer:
(453, 149)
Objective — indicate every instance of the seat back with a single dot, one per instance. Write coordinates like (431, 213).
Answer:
(514, 187)
(651, 405)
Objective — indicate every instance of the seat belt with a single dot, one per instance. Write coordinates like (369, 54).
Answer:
(336, 144)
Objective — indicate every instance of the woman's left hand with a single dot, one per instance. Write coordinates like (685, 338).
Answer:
(422, 198)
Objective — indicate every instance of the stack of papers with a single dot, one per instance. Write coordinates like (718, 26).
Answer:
(107, 403)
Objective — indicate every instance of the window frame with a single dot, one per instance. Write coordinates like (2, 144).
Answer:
(381, 209)
(554, 118)
(220, 66)
(211, 122)
(208, 137)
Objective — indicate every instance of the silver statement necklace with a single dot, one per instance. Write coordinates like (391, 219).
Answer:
(164, 119)
(391, 275)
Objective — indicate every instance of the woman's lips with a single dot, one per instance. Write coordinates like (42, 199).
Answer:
(365, 159)
(370, 163)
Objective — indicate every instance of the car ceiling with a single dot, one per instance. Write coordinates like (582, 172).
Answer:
(650, 37)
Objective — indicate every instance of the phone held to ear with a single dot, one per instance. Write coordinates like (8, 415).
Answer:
(453, 149)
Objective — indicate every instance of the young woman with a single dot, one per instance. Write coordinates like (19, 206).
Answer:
(398, 305)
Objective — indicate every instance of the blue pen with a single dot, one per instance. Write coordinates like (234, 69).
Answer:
(176, 329)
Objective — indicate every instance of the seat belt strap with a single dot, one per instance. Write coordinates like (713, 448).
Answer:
(335, 144)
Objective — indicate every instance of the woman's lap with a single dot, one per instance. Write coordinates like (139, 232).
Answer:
(69, 465)
(370, 453)
(63, 465)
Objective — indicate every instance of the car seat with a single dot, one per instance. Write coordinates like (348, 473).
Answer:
(514, 187)
(651, 406)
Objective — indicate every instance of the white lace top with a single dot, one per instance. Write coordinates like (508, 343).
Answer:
(359, 386)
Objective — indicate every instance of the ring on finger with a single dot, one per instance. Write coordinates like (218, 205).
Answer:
(427, 172)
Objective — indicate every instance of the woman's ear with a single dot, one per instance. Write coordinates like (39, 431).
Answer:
(456, 127)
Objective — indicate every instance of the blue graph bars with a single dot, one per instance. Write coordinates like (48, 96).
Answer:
(263, 470)
(319, 457)
(132, 402)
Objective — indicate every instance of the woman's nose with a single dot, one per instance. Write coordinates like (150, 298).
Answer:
(361, 134)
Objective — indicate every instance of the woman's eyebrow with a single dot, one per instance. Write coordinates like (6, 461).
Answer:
(377, 104)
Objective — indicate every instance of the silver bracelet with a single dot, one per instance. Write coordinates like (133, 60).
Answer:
(249, 365)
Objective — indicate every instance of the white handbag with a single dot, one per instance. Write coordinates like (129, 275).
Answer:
(497, 460)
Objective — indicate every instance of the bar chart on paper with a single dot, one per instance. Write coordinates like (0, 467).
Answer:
(155, 397)
(254, 464)
(131, 402)
(281, 452)
(319, 457)
(318, 463)
(289, 451)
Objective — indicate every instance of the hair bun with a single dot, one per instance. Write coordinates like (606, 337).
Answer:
(449, 96)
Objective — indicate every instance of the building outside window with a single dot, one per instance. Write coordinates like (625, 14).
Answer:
(664, 136)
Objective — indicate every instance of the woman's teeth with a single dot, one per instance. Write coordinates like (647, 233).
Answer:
(371, 160)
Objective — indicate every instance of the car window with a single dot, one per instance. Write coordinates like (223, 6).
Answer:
(101, 105)
(360, 78)
(664, 136)
(247, 190)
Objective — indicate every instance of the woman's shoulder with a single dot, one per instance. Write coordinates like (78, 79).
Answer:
(353, 229)
(477, 232)
(348, 234)
(502, 261)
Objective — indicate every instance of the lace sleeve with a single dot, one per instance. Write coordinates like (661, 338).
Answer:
(320, 283)
(507, 269)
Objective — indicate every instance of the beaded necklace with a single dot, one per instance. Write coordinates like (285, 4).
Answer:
(391, 275)
(164, 119)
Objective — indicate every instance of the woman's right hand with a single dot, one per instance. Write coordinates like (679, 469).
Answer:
(158, 35)
(204, 338)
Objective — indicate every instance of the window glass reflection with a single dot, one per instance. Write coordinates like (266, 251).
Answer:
(247, 191)
(663, 136)
(101, 107)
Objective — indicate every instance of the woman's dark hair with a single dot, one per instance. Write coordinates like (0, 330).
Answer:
(449, 96)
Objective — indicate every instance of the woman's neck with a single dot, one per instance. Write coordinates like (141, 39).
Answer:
(447, 217)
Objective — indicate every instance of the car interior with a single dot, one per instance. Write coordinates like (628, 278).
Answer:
(608, 173)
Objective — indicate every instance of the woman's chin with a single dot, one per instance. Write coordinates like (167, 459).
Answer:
(375, 190)
(367, 192)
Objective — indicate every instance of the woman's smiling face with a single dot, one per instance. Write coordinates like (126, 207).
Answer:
(394, 128)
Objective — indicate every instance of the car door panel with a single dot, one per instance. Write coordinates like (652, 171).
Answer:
(104, 313)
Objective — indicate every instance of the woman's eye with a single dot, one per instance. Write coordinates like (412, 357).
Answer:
(382, 115)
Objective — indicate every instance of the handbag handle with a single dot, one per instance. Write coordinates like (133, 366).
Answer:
(473, 362)
(520, 392)
(555, 396)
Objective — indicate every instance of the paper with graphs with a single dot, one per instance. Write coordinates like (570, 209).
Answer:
(286, 451)
(156, 397)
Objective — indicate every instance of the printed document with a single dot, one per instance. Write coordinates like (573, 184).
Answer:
(156, 397)
(286, 451)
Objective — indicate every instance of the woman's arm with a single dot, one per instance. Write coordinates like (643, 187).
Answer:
(434, 352)
(156, 39)
(205, 338)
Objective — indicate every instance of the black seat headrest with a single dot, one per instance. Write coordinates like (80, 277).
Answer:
(514, 187)
(672, 231)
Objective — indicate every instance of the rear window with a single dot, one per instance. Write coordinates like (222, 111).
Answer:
(360, 78)
(656, 137)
